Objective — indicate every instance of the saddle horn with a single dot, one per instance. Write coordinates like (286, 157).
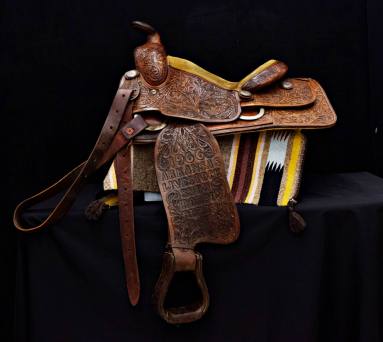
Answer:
(150, 58)
(153, 36)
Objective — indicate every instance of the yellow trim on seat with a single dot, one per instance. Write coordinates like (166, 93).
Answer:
(185, 65)
(256, 71)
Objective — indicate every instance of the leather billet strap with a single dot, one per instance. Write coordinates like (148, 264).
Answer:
(116, 134)
(77, 176)
(126, 215)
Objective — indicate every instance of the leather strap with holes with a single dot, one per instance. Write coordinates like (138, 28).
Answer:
(117, 132)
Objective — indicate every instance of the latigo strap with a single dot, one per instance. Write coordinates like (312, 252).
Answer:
(116, 134)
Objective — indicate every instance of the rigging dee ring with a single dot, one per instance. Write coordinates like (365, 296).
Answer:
(154, 125)
(253, 117)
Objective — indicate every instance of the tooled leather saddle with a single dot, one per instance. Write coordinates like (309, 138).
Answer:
(181, 108)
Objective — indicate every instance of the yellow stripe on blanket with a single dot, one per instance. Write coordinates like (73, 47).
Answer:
(283, 149)
(293, 169)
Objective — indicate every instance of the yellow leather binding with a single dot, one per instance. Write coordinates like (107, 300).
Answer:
(190, 67)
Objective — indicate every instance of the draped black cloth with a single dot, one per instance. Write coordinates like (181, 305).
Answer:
(271, 285)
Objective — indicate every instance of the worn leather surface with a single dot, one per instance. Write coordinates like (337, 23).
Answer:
(188, 96)
(199, 207)
(266, 77)
(192, 181)
(126, 216)
(318, 114)
(117, 131)
(305, 106)
(300, 94)
(76, 178)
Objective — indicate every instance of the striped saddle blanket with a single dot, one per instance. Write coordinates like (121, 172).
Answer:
(262, 168)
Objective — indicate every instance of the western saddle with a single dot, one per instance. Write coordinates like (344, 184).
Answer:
(181, 108)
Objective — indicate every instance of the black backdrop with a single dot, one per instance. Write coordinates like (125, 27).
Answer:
(61, 63)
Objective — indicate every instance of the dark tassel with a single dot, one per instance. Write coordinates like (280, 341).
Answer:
(297, 223)
(95, 209)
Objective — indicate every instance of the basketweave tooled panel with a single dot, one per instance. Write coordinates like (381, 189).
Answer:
(193, 185)
(184, 95)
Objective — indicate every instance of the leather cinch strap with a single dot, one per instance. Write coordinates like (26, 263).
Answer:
(116, 134)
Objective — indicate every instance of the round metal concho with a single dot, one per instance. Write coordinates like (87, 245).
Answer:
(287, 85)
(245, 95)
(131, 74)
(253, 117)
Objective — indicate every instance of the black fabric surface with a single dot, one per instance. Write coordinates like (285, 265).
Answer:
(61, 61)
(270, 285)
